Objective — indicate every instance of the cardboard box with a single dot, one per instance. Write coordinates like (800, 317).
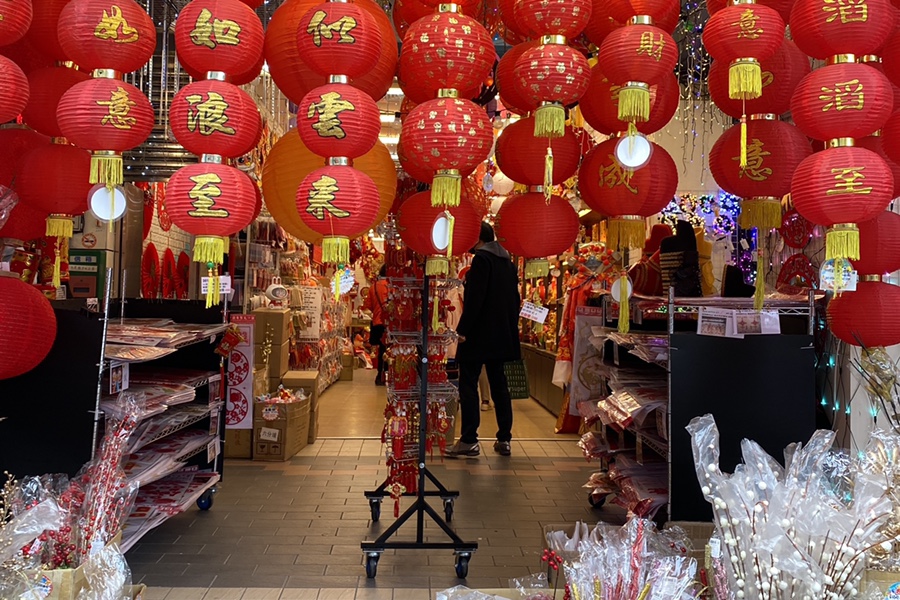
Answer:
(279, 430)
(308, 381)
(274, 323)
(238, 443)
(313, 426)
(136, 592)
(346, 374)
(279, 358)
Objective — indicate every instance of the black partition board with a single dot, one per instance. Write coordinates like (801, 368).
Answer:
(48, 425)
(761, 388)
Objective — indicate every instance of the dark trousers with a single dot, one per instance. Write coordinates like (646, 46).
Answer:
(376, 338)
(470, 405)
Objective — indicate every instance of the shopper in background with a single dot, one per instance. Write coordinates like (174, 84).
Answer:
(375, 305)
(489, 337)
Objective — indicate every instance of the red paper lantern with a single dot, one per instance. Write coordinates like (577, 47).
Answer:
(600, 104)
(842, 100)
(510, 95)
(417, 94)
(868, 316)
(879, 245)
(338, 120)
(27, 327)
(658, 10)
(781, 74)
(824, 29)
(15, 144)
(510, 17)
(339, 38)
(412, 168)
(876, 144)
(890, 59)
(601, 23)
(567, 18)
(214, 117)
(417, 217)
(47, 87)
(15, 90)
(838, 188)
(875, 62)
(627, 196)
(44, 30)
(782, 6)
(520, 155)
(529, 226)
(17, 18)
(218, 35)
(553, 76)
(406, 12)
(26, 54)
(254, 4)
(54, 180)
(446, 50)
(339, 202)
(890, 135)
(25, 223)
(99, 34)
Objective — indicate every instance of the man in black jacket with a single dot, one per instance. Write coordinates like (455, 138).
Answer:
(489, 337)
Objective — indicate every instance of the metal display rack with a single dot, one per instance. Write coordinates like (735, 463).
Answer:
(420, 508)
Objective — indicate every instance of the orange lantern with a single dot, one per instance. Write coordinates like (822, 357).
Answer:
(339, 38)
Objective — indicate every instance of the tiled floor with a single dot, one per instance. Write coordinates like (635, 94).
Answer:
(292, 530)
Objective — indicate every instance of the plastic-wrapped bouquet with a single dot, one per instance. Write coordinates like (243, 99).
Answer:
(801, 531)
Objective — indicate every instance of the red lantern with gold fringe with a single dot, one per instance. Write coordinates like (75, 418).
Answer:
(219, 36)
(214, 117)
(529, 226)
(600, 104)
(338, 120)
(868, 316)
(879, 244)
(553, 76)
(15, 90)
(27, 327)
(567, 18)
(99, 34)
(416, 220)
(339, 38)
(510, 94)
(46, 87)
(54, 179)
(16, 20)
(823, 29)
(521, 156)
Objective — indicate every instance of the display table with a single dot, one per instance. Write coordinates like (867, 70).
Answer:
(539, 364)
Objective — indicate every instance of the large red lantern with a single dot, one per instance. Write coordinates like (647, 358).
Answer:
(338, 120)
(600, 104)
(879, 244)
(214, 117)
(890, 59)
(521, 156)
(418, 220)
(27, 327)
(406, 12)
(15, 144)
(601, 23)
(567, 18)
(868, 316)
(219, 36)
(99, 34)
(659, 11)
(339, 38)
(554, 76)
(44, 30)
(876, 144)
(528, 225)
(339, 202)
(15, 90)
(628, 197)
(447, 136)
(25, 223)
(418, 94)
(510, 94)
(823, 29)
(16, 21)
(510, 17)
(838, 188)
(890, 134)
(842, 100)
(47, 87)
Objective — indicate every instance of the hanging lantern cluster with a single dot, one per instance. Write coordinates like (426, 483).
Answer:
(216, 120)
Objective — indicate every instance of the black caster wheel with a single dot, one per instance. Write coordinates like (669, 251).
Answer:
(205, 501)
(371, 566)
(448, 510)
(596, 503)
(462, 565)
(375, 506)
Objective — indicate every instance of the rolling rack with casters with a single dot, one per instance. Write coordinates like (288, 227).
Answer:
(420, 508)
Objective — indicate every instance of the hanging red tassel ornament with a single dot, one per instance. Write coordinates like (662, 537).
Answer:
(214, 116)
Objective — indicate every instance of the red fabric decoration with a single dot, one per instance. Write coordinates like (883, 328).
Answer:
(54, 179)
(520, 155)
(867, 316)
(47, 87)
(781, 74)
(774, 151)
(782, 6)
(15, 144)
(659, 10)
(15, 90)
(825, 29)
(338, 120)
(795, 230)
(150, 272)
(99, 34)
(842, 100)
(295, 78)
(567, 18)
(600, 104)
(528, 226)
(17, 18)
(218, 35)
(214, 117)
(638, 53)
(601, 23)
(44, 30)
(339, 38)
(338, 201)
(25, 223)
(210, 200)
(105, 114)
(797, 275)
(417, 216)
(876, 144)
(842, 185)
(182, 276)
(446, 50)
(552, 73)
(510, 95)
(27, 327)
(407, 12)
(879, 244)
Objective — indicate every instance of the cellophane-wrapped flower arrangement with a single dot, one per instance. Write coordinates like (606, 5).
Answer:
(882, 458)
(796, 532)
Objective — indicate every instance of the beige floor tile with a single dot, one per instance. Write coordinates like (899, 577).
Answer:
(412, 594)
(337, 594)
(156, 593)
(186, 594)
(224, 594)
(299, 594)
(261, 594)
(374, 594)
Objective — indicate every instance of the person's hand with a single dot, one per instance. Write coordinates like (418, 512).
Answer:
(462, 338)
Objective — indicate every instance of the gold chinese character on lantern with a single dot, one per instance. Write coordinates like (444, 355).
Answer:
(208, 116)
(118, 108)
(850, 11)
(747, 25)
(651, 45)
(328, 109)
(849, 180)
(113, 26)
(613, 174)
(319, 29)
(755, 157)
(321, 197)
(846, 95)
(204, 194)
(212, 32)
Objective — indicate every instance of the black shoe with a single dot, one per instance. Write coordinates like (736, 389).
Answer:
(461, 448)
(379, 381)
(502, 448)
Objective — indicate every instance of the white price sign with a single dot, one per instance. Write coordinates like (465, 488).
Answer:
(267, 434)
(534, 312)
(212, 450)
(224, 284)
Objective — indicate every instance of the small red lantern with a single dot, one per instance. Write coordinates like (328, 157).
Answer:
(890, 134)
(419, 218)
(214, 117)
(339, 202)
(824, 29)
(838, 188)
(844, 100)
(521, 156)
(782, 6)
(629, 197)
(47, 87)
(16, 21)
(567, 18)
(510, 95)
(600, 104)
(658, 10)
(219, 36)
(27, 327)
(339, 38)
(406, 12)
(890, 59)
(868, 316)
(15, 90)
(99, 34)
(338, 120)
(510, 17)
(879, 244)
(553, 75)
(15, 144)
(529, 226)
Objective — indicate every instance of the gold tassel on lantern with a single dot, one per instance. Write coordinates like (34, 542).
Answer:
(337, 282)
(624, 307)
(764, 213)
(743, 162)
(213, 294)
(435, 313)
(759, 293)
(548, 174)
(451, 223)
(210, 249)
(446, 188)
(634, 102)
(842, 241)
(626, 231)
(744, 79)
(550, 120)
(106, 168)
(335, 250)
(59, 226)
(437, 265)
(537, 267)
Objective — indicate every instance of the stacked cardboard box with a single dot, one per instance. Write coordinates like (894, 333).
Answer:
(308, 381)
(280, 430)
(273, 331)
(348, 361)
